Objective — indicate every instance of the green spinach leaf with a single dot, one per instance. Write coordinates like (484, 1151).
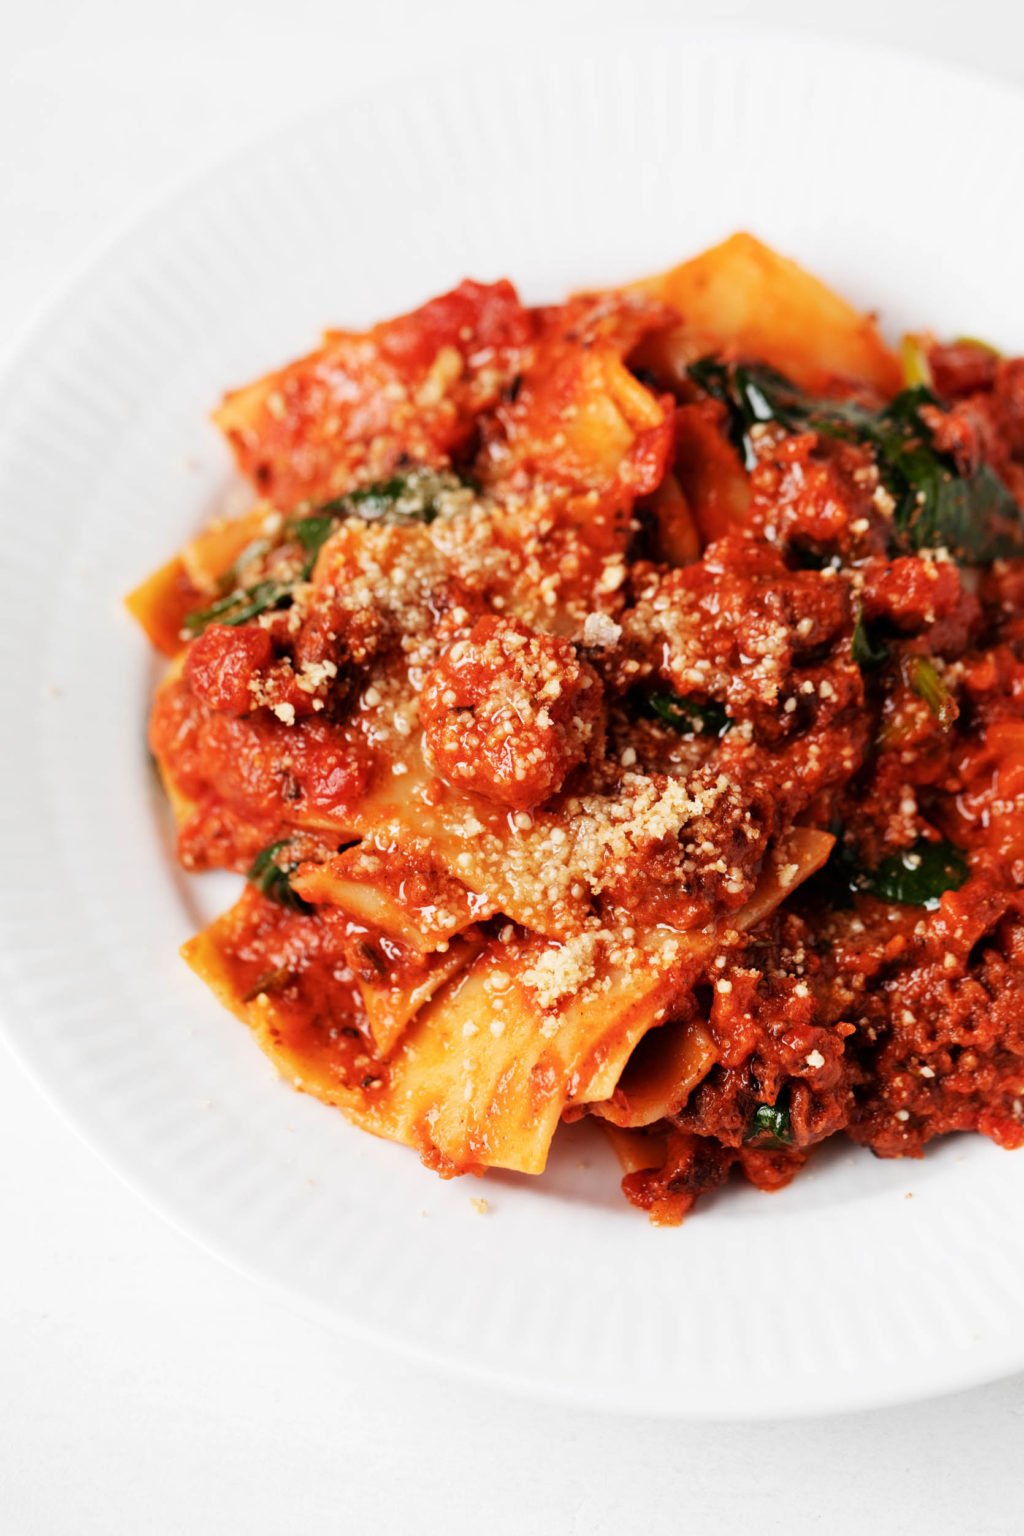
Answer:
(688, 716)
(865, 649)
(240, 606)
(916, 877)
(770, 1126)
(421, 495)
(270, 873)
(974, 516)
(929, 685)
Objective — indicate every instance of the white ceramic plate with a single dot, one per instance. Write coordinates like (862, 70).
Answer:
(842, 1291)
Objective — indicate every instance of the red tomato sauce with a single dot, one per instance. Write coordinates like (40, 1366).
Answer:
(548, 632)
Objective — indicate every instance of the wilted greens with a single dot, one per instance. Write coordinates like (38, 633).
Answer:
(418, 496)
(271, 873)
(688, 716)
(973, 516)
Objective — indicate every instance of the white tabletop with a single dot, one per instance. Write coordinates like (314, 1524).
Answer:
(145, 1389)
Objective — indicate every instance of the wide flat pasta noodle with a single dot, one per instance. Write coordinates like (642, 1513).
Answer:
(411, 387)
(489, 1065)
(392, 999)
(639, 1087)
(743, 297)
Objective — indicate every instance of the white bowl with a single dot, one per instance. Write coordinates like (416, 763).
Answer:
(877, 172)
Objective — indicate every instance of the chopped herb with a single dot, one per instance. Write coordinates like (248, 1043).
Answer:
(688, 716)
(929, 685)
(770, 1127)
(974, 516)
(271, 875)
(865, 649)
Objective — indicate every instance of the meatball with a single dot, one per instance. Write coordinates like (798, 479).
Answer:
(509, 713)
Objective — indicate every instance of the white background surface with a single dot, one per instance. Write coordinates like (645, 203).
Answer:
(145, 1389)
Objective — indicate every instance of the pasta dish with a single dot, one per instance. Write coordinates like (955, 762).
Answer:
(617, 710)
